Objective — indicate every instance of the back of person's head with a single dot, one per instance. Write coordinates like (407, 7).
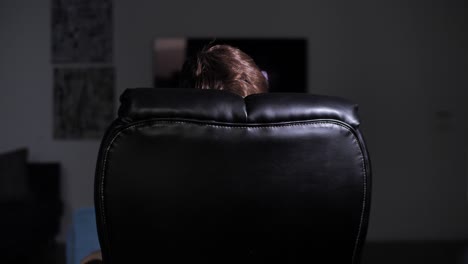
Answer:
(223, 67)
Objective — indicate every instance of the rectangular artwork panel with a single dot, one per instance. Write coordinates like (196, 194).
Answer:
(81, 31)
(83, 102)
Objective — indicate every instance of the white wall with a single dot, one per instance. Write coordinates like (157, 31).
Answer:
(402, 64)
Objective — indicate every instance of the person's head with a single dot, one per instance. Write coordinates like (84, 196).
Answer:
(223, 67)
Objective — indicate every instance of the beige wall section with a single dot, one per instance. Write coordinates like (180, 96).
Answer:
(402, 64)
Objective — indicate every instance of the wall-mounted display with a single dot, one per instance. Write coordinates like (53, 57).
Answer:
(282, 60)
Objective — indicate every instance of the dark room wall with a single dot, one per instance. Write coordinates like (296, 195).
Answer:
(405, 64)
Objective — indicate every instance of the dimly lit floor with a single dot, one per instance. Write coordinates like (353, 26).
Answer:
(416, 252)
(50, 253)
(381, 253)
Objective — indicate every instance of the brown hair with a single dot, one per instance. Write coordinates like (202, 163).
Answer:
(223, 67)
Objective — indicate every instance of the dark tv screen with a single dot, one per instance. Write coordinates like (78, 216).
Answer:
(283, 60)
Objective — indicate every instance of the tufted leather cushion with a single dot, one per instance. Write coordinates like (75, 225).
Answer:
(215, 105)
(187, 175)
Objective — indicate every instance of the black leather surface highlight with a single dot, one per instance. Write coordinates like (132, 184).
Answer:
(276, 107)
(142, 103)
(187, 186)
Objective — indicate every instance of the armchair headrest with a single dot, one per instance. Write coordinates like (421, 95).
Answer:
(220, 106)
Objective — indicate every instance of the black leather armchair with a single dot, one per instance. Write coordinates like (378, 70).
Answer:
(206, 176)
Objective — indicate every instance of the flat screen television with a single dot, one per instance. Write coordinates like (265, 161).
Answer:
(282, 60)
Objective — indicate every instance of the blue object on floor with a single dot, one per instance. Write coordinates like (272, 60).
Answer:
(82, 238)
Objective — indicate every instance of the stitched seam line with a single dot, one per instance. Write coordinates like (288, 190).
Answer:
(157, 122)
(356, 244)
(302, 124)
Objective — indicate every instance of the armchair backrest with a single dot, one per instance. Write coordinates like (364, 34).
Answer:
(186, 175)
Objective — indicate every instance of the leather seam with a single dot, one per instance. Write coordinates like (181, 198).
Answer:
(364, 197)
(302, 124)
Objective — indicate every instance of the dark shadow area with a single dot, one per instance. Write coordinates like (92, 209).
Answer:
(436, 252)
